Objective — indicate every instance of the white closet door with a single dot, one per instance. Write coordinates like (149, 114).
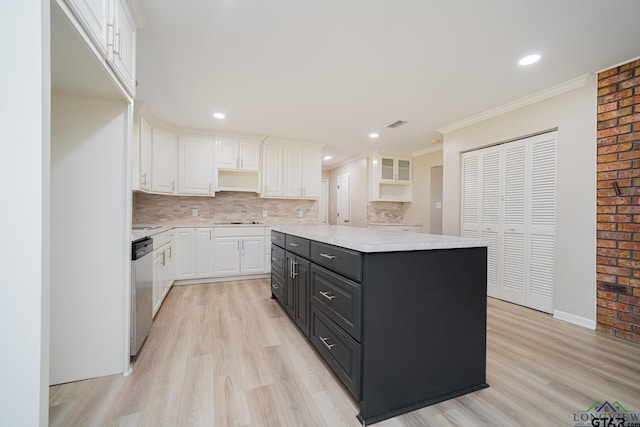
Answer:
(513, 227)
(490, 214)
(542, 223)
(470, 195)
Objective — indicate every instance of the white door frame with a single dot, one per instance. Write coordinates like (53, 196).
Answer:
(347, 221)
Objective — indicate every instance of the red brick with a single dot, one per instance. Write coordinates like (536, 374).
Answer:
(624, 76)
(611, 106)
(636, 292)
(602, 260)
(630, 137)
(605, 329)
(629, 209)
(628, 336)
(629, 155)
(631, 300)
(628, 101)
(618, 271)
(631, 228)
(614, 131)
(629, 83)
(614, 218)
(634, 173)
(615, 148)
(605, 278)
(630, 318)
(608, 295)
(607, 124)
(627, 281)
(614, 305)
(607, 312)
(606, 226)
(613, 201)
(613, 253)
(612, 140)
(608, 115)
(629, 66)
(633, 246)
(612, 235)
(629, 264)
(604, 91)
(615, 323)
(607, 176)
(614, 166)
(608, 73)
(634, 118)
(607, 158)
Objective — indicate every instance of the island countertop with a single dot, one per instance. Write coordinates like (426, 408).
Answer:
(372, 240)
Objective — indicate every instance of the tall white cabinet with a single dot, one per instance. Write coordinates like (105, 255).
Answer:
(508, 198)
(291, 170)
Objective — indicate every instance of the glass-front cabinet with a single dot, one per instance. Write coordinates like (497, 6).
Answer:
(395, 170)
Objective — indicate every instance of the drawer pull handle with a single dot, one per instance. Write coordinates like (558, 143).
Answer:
(328, 256)
(324, 341)
(295, 245)
(327, 295)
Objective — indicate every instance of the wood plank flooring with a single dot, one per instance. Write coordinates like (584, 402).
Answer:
(225, 354)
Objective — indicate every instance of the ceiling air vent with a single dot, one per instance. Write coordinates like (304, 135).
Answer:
(396, 124)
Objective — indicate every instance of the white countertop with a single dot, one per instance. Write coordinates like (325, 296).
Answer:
(373, 240)
(155, 229)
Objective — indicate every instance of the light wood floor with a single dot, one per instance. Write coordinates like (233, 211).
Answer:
(225, 354)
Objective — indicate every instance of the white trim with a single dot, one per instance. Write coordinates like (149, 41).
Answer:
(428, 150)
(576, 320)
(556, 90)
(221, 279)
(618, 64)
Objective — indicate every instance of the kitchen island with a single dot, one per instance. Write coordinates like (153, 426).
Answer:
(400, 317)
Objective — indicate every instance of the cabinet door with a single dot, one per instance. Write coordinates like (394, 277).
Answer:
(292, 171)
(226, 256)
(228, 154)
(169, 269)
(311, 173)
(94, 16)
(204, 252)
(289, 291)
(403, 171)
(123, 55)
(387, 169)
(252, 255)
(165, 164)
(249, 156)
(195, 166)
(158, 267)
(301, 271)
(186, 250)
(145, 154)
(272, 170)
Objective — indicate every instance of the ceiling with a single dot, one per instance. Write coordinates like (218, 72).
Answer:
(333, 71)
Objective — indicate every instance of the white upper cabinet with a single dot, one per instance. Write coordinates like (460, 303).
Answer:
(146, 142)
(238, 154)
(272, 169)
(291, 170)
(164, 166)
(390, 178)
(123, 45)
(195, 166)
(111, 28)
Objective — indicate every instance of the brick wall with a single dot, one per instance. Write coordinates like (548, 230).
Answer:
(618, 224)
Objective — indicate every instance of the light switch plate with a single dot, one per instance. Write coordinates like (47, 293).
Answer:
(194, 212)
(264, 213)
(300, 213)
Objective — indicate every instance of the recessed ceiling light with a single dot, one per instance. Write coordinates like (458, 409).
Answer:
(327, 157)
(528, 60)
(219, 115)
(373, 135)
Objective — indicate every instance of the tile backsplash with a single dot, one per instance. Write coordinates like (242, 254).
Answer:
(385, 212)
(225, 207)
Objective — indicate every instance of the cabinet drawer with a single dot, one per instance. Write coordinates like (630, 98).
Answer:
(343, 261)
(277, 260)
(277, 287)
(277, 238)
(340, 350)
(338, 298)
(297, 245)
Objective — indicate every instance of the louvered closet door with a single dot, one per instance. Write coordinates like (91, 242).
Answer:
(470, 195)
(490, 215)
(513, 225)
(542, 222)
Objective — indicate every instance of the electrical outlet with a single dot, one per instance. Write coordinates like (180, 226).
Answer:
(382, 215)
(300, 213)
(264, 213)
(194, 212)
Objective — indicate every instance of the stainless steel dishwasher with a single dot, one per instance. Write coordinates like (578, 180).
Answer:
(141, 291)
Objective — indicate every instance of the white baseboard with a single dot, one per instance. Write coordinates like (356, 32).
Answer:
(220, 279)
(576, 320)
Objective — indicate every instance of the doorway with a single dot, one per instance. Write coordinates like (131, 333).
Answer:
(343, 215)
(323, 203)
(435, 200)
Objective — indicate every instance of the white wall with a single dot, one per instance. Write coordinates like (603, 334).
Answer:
(90, 216)
(574, 114)
(24, 253)
(418, 212)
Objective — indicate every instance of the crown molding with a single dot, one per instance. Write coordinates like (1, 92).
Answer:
(556, 90)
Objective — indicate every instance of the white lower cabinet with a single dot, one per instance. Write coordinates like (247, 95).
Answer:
(239, 250)
(204, 252)
(164, 267)
(226, 256)
(186, 253)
